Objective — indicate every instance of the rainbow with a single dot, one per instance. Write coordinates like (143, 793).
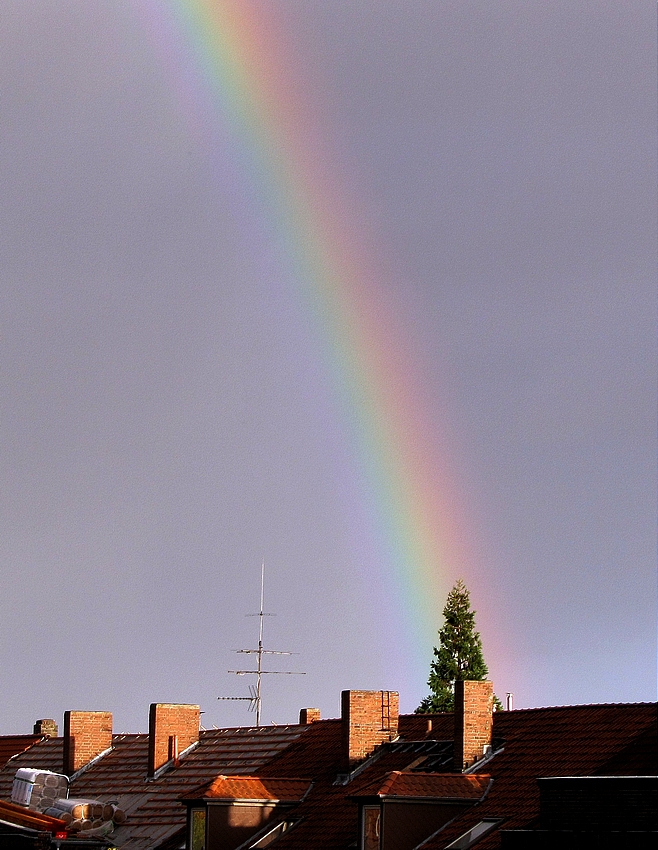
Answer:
(228, 62)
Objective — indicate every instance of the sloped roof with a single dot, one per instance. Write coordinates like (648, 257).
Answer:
(328, 815)
(578, 740)
(562, 741)
(575, 741)
(633, 759)
(153, 807)
(253, 788)
(454, 786)
(11, 745)
(44, 754)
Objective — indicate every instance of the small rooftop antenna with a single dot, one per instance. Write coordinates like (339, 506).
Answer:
(255, 701)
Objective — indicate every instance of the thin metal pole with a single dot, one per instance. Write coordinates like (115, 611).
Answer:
(260, 643)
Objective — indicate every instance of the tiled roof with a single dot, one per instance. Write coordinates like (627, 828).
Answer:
(414, 727)
(632, 760)
(253, 788)
(562, 741)
(11, 745)
(329, 814)
(554, 741)
(317, 753)
(576, 741)
(423, 756)
(153, 807)
(47, 754)
(329, 818)
(455, 786)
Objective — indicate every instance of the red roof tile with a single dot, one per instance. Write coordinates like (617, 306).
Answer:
(254, 788)
(455, 786)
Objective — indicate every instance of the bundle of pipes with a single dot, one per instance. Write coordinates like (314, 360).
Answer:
(46, 792)
(82, 815)
(38, 789)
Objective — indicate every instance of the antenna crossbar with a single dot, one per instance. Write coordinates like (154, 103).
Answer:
(264, 673)
(264, 652)
(236, 698)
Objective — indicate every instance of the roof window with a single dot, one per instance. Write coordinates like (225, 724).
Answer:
(272, 834)
(474, 834)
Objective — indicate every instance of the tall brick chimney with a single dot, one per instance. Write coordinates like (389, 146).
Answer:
(368, 718)
(87, 734)
(473, 722)
(172, 729)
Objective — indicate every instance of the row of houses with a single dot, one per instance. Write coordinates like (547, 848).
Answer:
(372, 779)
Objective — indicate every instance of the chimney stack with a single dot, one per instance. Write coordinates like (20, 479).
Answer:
(308, 716)
(369, 718)
(47, 728)
(172, 729)
(87, 734)
(473, 722)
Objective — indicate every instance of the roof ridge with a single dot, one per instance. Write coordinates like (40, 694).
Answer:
(258, 730)
(581, 705)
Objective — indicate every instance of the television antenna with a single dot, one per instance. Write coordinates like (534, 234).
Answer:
(254, 698)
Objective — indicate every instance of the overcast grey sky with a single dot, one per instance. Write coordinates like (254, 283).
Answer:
(165, 418)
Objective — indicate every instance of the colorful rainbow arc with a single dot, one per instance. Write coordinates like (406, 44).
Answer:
(232, 50)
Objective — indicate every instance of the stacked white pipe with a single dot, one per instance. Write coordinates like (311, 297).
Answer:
(47, 792)
(82, 815)
(38, 789)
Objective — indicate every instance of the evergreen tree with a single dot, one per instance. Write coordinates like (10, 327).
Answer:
(459, 654)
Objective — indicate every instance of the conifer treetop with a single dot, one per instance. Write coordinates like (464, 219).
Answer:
(458, 655)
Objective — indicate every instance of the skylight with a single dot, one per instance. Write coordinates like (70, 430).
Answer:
(474, 834)
(272, 834)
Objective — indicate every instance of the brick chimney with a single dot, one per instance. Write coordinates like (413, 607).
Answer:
(172, 729)
(87, 734)
(473, 722)
(368, 718)
(308, 716)
(46, 728)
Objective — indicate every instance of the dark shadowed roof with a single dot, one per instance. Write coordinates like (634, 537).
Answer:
(577, 740)
(11, 745)
(562, 741)
(632, 759)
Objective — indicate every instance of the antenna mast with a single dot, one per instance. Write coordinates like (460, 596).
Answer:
(255, 699)
(259, 671)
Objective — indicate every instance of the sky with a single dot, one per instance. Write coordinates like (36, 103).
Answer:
(365, 291)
